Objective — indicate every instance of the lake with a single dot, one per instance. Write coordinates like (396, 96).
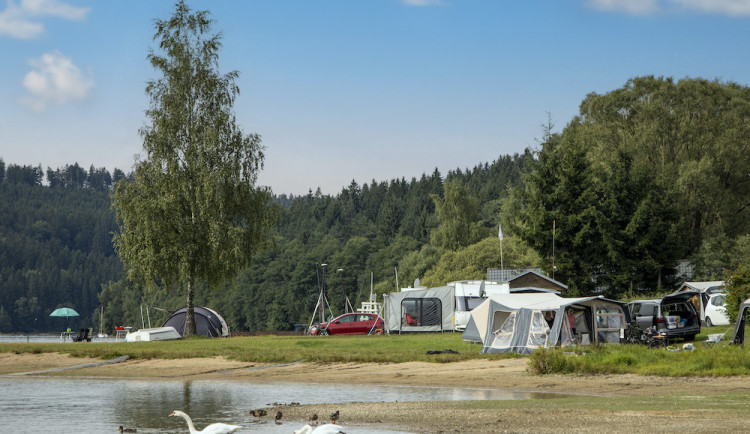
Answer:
(87, 405)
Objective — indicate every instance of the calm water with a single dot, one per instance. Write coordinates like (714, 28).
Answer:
(32, 405)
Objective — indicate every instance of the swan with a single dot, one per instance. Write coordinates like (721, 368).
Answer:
(214, 428)
(328, 428)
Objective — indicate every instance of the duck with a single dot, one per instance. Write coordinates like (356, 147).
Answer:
(214, 428)
(121, 429)
(277, 419)
(334, 417)
(258, 413)
(314, 419)
(328, 428)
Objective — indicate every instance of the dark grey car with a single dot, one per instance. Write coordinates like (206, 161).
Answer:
(674, 314)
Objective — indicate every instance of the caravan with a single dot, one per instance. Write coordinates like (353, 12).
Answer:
(446, 308)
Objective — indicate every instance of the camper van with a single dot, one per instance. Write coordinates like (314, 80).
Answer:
(470, 294)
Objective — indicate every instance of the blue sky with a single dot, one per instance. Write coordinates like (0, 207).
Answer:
(352, 89)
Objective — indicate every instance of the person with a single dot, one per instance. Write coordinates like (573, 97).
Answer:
(572, 323)
(410, 320)
(549, 316)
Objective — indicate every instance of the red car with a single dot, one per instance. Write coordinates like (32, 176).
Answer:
(349, 324)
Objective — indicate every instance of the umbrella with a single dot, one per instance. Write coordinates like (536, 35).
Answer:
(66, 312)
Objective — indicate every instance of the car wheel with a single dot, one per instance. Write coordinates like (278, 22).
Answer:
(708, 322)
(324, 333)
(689, 338)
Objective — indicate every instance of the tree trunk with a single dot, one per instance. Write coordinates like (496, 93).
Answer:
(190, 316)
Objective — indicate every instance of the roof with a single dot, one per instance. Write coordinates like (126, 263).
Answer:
(701, 286)
(540, 275)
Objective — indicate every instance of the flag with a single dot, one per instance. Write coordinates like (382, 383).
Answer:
(500, 232)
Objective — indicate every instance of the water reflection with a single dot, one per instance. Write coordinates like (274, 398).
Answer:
(101, 405)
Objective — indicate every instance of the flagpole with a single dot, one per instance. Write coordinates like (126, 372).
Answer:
(502, 267)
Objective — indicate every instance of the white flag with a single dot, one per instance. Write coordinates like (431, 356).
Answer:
(500, 232)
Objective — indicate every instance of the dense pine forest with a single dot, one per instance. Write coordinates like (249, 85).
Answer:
(645, 176)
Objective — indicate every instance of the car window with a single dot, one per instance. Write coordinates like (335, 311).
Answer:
(647, 309)
(718, 301)
(365, 317)
(636, 308)
(348, 318)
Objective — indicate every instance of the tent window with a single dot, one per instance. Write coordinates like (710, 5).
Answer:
(421, 312)
(468, 303)
(539, 330)
(609, 321)
(504, 334)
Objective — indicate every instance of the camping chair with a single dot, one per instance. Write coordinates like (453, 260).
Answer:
(713, 339)
(81, 335)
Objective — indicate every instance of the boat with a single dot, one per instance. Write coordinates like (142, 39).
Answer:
(101, 325)
(154, 334)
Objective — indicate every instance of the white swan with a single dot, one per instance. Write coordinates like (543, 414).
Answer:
(214, 428)
(328, 428)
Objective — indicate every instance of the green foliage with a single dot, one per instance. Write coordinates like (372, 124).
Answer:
(192, 212)
(472, 262)
(282, 349)
(638, 359)
(458, 217)
(637, 181)
(54, 251)
(738, 290)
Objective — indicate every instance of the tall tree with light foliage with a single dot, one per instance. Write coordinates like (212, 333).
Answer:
(192, 212)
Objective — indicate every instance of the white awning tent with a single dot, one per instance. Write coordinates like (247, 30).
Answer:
(517, 322)
(421, 310)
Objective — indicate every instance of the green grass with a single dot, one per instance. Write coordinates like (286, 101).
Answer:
(719, 360)
(278, 349)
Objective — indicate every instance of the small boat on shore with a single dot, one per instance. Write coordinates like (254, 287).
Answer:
(154, 334)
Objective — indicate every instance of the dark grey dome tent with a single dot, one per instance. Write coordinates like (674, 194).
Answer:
(207, 322)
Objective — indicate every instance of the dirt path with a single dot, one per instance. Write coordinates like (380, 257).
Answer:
(544, 415)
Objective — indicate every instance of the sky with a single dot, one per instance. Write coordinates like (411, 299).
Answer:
(344, 90)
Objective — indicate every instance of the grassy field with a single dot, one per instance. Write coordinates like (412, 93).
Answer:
(278, 349)
(720, 360)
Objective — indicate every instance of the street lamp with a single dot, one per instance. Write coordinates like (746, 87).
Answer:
(341, 270)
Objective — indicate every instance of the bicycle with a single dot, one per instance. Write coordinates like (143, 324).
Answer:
(649, 337)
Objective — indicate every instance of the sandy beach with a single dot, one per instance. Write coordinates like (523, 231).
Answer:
(538, 415)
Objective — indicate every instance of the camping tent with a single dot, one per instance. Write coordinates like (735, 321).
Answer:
(419, 310)
(207, 322)
(525, 322)
(738, 338)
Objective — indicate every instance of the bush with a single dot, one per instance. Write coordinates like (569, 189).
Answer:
(738, 290)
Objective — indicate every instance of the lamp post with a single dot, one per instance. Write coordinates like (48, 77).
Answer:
(343, 291)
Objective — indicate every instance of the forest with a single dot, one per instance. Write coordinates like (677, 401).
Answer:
(645, 176)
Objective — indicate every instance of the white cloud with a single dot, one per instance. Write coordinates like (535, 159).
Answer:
(423, 2)
(725, 7)
(632, 7)
(648, 7)
(18, 20)
(54, 80)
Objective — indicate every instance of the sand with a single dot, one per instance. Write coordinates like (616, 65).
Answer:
(495, 416)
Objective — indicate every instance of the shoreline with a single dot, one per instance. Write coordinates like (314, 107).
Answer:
(564, 413)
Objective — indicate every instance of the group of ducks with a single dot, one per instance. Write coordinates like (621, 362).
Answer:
(223, 428)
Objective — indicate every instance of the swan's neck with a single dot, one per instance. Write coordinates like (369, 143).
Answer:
(189, 421)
